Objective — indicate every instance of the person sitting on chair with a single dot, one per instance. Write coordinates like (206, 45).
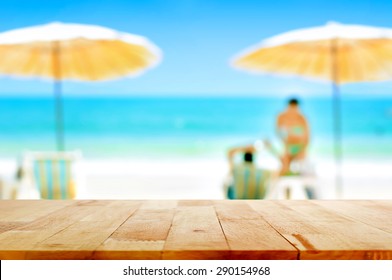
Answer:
(247, 180)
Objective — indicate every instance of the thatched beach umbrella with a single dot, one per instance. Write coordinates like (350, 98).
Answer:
(61, 51)
(334, 52)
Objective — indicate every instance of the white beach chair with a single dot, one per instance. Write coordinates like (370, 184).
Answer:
(303, 184)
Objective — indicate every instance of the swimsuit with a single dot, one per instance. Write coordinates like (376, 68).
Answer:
(293, 149)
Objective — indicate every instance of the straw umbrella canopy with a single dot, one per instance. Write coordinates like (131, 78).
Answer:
(334, 52)
(59, 51)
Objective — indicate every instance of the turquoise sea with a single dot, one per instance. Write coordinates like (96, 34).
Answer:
(187, 126)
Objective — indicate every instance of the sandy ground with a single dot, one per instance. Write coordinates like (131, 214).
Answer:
(201, 179)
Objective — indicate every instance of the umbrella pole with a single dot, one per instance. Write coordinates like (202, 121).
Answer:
(337, 119)
(338, 140)
(59, 116)
(58, 100)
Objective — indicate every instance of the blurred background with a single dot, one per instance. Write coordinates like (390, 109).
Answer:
(165, 134)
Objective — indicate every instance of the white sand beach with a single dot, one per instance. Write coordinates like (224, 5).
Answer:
(203, 178)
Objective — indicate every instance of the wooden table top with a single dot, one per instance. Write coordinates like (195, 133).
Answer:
(196, 229)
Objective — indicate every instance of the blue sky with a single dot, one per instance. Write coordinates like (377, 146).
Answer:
(198, 38)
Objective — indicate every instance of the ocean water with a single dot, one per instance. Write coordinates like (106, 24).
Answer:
(187, 126)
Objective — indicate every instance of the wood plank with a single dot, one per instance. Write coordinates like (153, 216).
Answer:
(6, 226)
(322, 234)
(194, 203)
(293, 210)
(196, 234)
(114, 249)
(249, 236)
(79, 240)
(38, 238)
(29, 210)
(50, 223)
(159, 204)
(146, 224)
(236, 209)
(374, 213)
(16, 242)
(383, 204)
(195, 229)
(142, 236)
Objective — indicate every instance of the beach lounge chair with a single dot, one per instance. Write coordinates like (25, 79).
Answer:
(248, 182)
(300, 183)
(52, 173)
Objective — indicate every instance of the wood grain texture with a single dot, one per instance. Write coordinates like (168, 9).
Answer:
(195, 234)
(81, 238)
(249, 236)
(142, 236)
(320, 233)
(195, 229)
(15, 210)
(377, 214)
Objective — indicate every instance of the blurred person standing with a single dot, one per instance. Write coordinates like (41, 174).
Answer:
(292, 127)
